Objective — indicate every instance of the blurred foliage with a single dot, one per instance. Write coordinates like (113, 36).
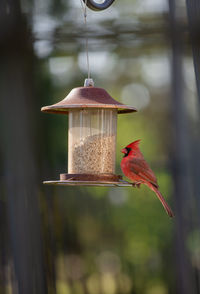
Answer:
(107, 240)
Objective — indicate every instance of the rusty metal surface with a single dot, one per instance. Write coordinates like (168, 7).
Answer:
(87, 97)
(91, 177)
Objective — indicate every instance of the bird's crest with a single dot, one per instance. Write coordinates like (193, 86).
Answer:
(134, 145)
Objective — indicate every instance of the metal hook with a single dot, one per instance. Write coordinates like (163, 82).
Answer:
(98, 6)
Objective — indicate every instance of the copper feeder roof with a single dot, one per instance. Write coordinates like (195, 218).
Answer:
(87, 97)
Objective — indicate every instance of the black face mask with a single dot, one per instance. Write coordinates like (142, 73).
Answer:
(128, 150)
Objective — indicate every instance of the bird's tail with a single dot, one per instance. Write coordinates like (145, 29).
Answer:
(162, 200)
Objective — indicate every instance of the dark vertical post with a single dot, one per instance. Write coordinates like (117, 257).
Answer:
(180, 160)
(17, 120)
(193, 9)
(3, 246)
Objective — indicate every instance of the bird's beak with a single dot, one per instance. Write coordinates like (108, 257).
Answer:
(124, 150)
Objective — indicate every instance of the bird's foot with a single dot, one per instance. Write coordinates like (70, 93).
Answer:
(136, 185)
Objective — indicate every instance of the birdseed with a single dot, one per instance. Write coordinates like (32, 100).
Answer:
(93, 155)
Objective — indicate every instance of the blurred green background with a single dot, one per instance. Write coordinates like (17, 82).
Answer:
(81, 240)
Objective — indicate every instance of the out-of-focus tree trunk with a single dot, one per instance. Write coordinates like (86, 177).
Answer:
(17, 148)
(180, 162)
(3, 247)
(193, 9)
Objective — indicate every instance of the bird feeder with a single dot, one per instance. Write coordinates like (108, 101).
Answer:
(92, 131)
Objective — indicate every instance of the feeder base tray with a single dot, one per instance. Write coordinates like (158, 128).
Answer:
(89, 183)
(99, 180)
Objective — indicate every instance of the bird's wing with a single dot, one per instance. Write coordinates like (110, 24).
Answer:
(141, 168)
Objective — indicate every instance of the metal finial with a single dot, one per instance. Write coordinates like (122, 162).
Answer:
(89, 83)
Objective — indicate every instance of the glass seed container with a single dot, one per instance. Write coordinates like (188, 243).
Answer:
(92, 141)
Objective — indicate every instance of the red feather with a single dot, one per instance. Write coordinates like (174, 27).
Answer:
(137, 170)
(134, 144)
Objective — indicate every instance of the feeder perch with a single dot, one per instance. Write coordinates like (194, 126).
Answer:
(92, 131)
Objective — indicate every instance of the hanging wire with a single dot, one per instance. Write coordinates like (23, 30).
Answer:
(84, 8)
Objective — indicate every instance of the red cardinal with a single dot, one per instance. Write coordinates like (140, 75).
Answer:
(137, 170)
